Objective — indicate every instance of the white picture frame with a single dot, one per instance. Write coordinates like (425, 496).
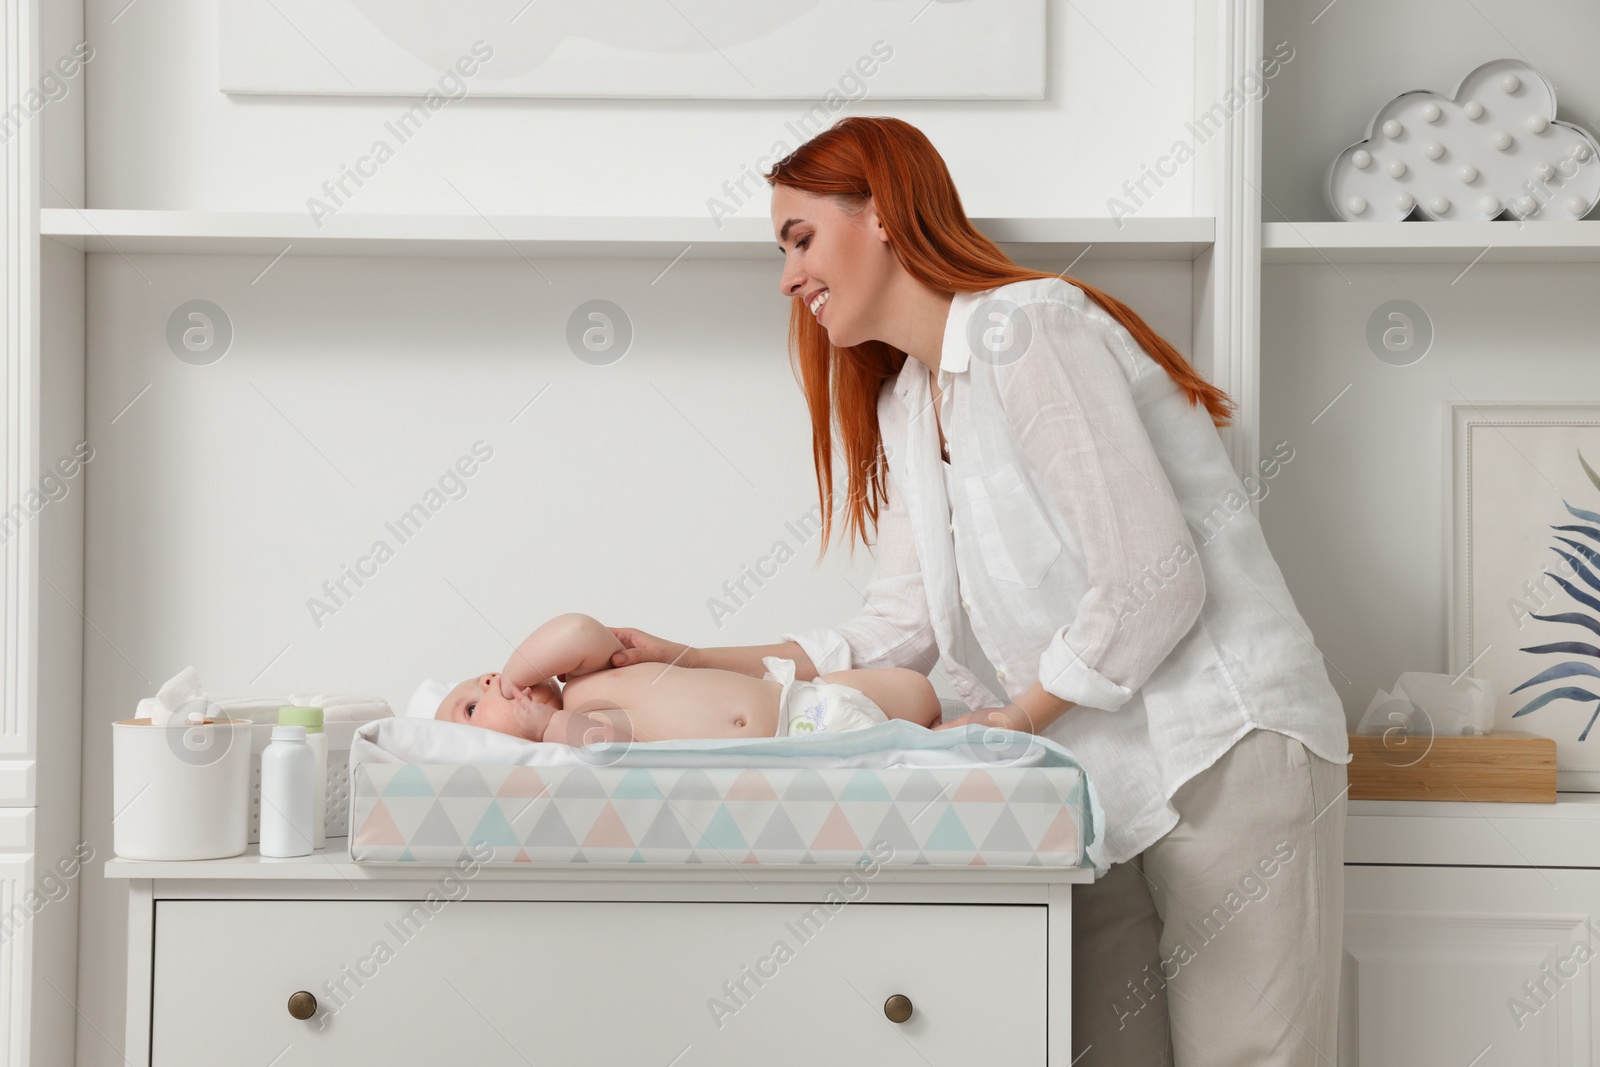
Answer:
(818, 50)
(1516, 472)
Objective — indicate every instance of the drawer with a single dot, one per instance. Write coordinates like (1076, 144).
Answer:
(584, 982)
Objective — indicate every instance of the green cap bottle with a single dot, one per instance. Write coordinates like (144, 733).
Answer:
(310, 718)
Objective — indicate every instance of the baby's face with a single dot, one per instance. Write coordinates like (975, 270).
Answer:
(477, 702)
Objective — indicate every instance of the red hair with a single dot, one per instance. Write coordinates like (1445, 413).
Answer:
(892, 163)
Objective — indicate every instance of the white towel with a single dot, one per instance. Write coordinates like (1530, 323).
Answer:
(185, 686)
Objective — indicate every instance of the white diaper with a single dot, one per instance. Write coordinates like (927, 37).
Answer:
(818, 707)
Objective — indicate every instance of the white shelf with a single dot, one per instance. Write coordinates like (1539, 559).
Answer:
(129, 232)
(1431, 242)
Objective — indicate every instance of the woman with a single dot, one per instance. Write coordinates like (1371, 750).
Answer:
(1052, 502)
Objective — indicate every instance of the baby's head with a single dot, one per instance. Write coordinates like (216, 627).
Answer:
(477, 702)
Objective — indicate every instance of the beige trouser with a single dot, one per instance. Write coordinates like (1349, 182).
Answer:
(1220, 943)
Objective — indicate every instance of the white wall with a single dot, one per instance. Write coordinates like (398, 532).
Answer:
(1358, 519)
(223, 497)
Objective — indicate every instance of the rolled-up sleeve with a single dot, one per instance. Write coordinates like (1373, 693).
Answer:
(893, 628)
(1073, 408)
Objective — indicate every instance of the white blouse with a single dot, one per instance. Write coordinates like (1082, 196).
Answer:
(1091, 534)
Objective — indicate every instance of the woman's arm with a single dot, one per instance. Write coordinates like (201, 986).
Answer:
(1071, 399)
(746, 659)
(640, 647)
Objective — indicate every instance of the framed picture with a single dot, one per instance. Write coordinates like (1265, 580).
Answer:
(828, 52)
(1525, 571)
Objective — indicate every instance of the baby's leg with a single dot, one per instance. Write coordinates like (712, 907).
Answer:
(902, 693)
(567, 646)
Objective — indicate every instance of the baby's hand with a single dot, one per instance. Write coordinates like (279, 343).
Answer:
(536, 707)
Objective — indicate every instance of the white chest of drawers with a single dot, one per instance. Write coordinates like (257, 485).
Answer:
(682, 965)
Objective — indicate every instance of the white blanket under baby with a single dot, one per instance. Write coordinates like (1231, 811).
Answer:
(436, 792)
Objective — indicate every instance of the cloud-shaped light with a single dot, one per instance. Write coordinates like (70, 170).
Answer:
(1493, 146)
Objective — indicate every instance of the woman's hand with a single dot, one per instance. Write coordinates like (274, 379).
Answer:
(640, 647)
(1010, 717)
(1030, 713)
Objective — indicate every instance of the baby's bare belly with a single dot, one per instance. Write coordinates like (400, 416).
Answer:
(665, 703)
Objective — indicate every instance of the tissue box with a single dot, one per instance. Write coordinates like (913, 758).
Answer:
(1506, 765)
(178, 791)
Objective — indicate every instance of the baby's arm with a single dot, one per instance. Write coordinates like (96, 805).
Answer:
(901, 692)
(568, 646)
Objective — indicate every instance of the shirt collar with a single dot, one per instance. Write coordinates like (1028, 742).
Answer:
(954, 351)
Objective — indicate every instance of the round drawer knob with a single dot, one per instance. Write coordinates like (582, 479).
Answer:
(303, 1005)
(897, 1008)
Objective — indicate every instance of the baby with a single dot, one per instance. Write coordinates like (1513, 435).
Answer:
(658, 701)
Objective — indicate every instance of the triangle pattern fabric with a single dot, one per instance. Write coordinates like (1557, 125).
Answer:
(436, 829)
(523, 782)
(607, 831)
(576, 783)
(409, 781)
(467, 781)
(693, 784)
(751, 785)
(808, 785)
(636, 784)
(378, 828)
(836, 834)
(949, 835)
(720, 815)
(493, 829)
(665, 833)
(550, 832)
(722, 833)
(779, 835)
(1006, 837)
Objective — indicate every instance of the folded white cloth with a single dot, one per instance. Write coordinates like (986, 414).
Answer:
(337, 708)
(185, 686)
(426, 700)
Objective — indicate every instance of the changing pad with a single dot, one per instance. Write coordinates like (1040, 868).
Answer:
(439, 792)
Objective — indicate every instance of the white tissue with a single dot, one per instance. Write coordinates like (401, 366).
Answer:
(1438, 705)
(178, 691)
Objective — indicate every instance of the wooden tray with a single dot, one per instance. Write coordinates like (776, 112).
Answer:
(1507, 765)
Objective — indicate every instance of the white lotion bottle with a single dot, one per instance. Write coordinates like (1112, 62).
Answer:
(287, 767)
(311, 719)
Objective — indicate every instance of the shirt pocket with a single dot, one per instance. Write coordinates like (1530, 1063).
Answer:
(1014, 536)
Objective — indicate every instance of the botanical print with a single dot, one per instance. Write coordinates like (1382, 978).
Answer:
(1588, 618)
